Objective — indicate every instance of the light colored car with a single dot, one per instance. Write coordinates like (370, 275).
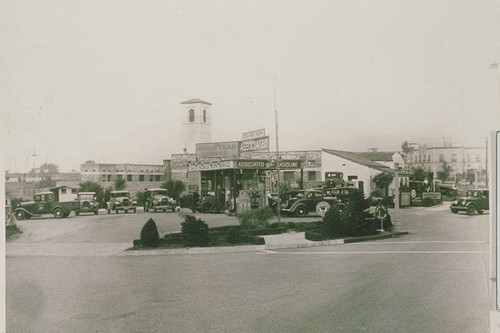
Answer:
(158, 199)
(120, 200)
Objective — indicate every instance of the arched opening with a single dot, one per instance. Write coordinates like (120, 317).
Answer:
(204, 116)
(191, 116)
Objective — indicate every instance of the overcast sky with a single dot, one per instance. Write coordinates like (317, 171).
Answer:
(103, 80)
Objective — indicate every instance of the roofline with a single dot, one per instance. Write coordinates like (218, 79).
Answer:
(197, 101)
(379, 167)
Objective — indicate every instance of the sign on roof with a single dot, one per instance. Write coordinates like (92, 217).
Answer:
(258, 144)
(253, 134)
(218, 149)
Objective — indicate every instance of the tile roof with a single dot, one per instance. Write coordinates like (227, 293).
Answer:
(359, 159)
(196, 100)
(384, 156)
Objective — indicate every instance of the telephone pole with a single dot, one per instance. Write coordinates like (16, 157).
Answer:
(278, 208)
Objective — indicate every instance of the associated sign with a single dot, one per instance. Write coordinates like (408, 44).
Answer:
(266, 164)
(218, 149)
(253, 134)
(259, 144)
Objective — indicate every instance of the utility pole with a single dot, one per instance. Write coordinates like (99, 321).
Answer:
(486, 163)
(278, 208)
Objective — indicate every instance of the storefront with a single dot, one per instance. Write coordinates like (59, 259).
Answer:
(239, 185)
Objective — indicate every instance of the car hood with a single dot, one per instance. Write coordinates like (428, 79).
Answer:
(26, 203)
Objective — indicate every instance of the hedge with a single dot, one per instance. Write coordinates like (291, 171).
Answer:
(314, 236)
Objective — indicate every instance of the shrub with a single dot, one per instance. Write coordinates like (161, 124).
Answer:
(186, 201)
(11, 230)
(313, 236)
(195, 232)
(427, 202)
(333, 224)
(233, 236)
(149, 234)
(252, 240)
(175, 238)
(256, 218)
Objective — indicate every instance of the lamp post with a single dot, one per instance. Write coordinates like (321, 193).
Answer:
(398, 161)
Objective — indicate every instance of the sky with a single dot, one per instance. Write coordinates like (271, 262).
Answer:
(103, 80)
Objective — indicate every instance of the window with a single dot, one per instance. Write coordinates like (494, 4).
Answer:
(453, 157)
(204, 116)
(119, 176)
(191, 115)
(129, 178)
(38, 198)
(63, 191)
(151, 178)
(141, 178)
(441, 157)
(157, 178)
(311, 176)
(288, 175)
(428, 158)
(73, 191)
(349, 178)
(109, 178)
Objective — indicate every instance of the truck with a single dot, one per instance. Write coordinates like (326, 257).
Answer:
(158, 199)
(45, 203)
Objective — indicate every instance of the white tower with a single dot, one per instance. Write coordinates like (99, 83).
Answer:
(196, 123)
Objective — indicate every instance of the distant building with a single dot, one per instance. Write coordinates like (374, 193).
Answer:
(196, 124)
(461, 160)
(137, 177)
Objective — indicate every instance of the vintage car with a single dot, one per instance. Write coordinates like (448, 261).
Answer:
(158, 199)
(339, 193)
(417, 187)
(306, 201)
(44, 203)
(474, 201)
(447, 188)
(120, 200)
(87, 203)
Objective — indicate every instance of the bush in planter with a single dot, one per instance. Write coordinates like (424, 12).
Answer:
(233, 236)
(333, 224)
(427, 202)
(186, 201)
(195, 232)
(149, 234)
(255, 218)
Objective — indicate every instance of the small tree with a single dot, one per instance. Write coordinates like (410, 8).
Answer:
(120, 184)
(445, 174)
(418, 175)
(46, 182)
(141, 198)
(256, 218)
(149, 234)
(194, 231)
(174, 188)
(383, 180)
(93, 187)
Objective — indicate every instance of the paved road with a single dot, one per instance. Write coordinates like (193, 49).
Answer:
(434, 280)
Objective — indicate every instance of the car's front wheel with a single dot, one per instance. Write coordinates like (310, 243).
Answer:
(20, 215)
(301, 211)
(58, 213)
(471, 210)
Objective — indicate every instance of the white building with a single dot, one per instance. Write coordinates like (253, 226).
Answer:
(196, 124)
(360, 168)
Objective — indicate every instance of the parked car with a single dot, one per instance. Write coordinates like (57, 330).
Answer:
(87, 203)
(158, 199)
(45, 203)
(339, 193)
(306, 201)
(474, 201)
(120, 200)
(447, 188)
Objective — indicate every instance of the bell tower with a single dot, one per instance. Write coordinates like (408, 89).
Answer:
(196, 123)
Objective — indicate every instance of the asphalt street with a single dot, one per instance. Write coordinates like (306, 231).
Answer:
(433, 280)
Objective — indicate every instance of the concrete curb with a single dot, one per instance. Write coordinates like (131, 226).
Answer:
(252, 248)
